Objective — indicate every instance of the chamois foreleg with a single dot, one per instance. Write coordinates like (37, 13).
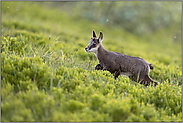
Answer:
(98, 67)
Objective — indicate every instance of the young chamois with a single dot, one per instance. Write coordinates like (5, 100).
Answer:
(135, 68)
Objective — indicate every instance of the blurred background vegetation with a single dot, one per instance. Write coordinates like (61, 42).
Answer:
(138, 17)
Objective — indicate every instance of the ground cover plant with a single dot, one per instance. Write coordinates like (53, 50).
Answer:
(46, 76)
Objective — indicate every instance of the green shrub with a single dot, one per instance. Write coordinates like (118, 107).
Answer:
(19, 71)
(12, 45)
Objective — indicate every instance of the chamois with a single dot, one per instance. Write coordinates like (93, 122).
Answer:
(137, 69)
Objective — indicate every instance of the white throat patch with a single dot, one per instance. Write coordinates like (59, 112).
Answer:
(96, 54)
(94, 50)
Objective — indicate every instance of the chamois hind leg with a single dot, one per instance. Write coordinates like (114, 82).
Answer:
(140, 79)
(149, 80)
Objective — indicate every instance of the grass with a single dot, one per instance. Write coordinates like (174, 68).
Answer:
(47, 75)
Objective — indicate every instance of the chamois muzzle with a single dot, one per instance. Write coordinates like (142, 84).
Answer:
(86, 49)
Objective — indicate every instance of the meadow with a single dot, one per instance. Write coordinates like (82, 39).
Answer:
(46, 76)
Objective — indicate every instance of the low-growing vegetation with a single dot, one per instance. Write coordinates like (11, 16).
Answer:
(46, 76)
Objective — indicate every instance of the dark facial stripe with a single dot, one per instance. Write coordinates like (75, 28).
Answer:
(92, 46)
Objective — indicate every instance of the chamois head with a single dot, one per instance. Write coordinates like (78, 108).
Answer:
(94, 43)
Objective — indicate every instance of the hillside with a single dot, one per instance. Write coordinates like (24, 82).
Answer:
(47, 76)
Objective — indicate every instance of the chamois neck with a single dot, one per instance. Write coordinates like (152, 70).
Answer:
(100, 52)
(101, 49)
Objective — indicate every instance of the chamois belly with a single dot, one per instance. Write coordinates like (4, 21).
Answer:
(126, 73)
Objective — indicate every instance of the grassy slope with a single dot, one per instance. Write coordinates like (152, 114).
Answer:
(61, 77)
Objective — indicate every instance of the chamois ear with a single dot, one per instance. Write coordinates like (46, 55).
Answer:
(100, 37)
(94, 34)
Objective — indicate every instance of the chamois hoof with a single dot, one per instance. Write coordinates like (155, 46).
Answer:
(98, 67)
(156, 83)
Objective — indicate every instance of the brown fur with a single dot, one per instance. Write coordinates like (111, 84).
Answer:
(116, 63)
